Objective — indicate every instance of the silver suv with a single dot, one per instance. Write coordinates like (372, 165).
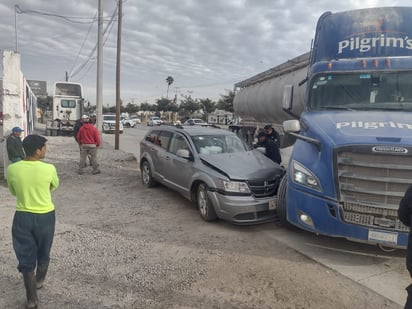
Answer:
(215, 169)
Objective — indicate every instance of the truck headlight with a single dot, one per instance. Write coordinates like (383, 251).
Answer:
(235, 186)
(303, 176)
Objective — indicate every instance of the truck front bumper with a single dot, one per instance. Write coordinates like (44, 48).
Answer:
(324, 216)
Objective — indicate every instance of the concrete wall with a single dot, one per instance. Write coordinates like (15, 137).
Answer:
(18, 103)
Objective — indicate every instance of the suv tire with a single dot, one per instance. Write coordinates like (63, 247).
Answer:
(204, 205)
(146, 174)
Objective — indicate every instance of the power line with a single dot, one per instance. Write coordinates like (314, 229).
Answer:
(84, 41)
(72, 19)
(91, 54)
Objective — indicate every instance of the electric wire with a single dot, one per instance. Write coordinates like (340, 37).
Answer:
(81, 47)
(72, 19)
(91, 54)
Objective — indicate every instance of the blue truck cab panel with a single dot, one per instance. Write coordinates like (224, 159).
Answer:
(358, 108)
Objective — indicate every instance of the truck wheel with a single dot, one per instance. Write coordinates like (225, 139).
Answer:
(146, 174)
(204, 205)
(281, 209)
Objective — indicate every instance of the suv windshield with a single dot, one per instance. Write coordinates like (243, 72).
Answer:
(212, 144)
(362, 91)
(109, 117)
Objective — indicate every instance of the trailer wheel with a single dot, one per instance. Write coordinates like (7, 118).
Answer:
(281, 207)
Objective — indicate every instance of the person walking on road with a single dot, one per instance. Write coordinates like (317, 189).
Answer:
(32, 181)
(14, 145)
(405, 216)
(88, 138)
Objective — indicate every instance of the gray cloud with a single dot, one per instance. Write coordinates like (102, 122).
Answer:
(206, 46)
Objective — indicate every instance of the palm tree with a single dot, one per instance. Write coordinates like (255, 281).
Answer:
(169, 81)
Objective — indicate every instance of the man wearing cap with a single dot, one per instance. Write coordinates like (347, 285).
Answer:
(272, 134)
(271, 148)
(15, 146)
(88, 138)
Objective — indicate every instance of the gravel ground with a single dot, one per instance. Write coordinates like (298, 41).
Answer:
(121, 245)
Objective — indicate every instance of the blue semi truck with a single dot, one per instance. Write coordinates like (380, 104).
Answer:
(346, 106)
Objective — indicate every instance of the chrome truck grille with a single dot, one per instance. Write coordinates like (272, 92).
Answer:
(371, 185)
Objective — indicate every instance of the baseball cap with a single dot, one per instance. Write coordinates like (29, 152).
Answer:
(85, 117)
(17, 129)
(268, 126)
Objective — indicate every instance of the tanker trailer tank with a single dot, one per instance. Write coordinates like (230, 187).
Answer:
(258, 100)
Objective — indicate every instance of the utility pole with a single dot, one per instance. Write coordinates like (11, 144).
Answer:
(99, 83)
(119, 45)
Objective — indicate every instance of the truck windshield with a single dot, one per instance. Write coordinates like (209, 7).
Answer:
(361, 91)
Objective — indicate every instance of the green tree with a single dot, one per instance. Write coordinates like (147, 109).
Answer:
(188, 106)
(148, 107)
(132, 108)
(208, 105)
(163, 105)
(226, 101)
(45, 104)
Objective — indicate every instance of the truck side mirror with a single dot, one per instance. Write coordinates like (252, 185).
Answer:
(287, 98)
(291, 126)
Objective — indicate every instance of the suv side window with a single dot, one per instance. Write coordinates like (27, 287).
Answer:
(152, 136)
(178, 142)
(163, 139)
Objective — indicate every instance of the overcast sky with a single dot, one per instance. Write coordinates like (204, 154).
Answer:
(205, 45)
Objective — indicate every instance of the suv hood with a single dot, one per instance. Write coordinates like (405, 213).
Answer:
(243, 165)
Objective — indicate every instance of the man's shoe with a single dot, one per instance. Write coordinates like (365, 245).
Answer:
(31, 291)
(96, 172)
(41, 274)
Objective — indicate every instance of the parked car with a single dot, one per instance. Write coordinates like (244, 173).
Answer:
(195, 122)
(154, 121)
(136, 119)
(128, 123)
(214, 168)
(109, 124)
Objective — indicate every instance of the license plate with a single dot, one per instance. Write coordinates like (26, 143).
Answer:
(272, 204)
(386, 237)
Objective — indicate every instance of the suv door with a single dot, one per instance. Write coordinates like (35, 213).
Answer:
(151, 148)
(178, 172)
(161, 146)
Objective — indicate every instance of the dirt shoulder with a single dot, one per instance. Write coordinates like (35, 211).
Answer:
(121, 245)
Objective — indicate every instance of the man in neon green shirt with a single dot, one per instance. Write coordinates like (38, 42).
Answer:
(32, 181)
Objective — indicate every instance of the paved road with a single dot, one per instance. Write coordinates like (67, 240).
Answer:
(383, 272)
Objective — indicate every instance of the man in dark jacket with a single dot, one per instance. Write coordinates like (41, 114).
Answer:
(404, 214)
(14, 145)
(89, 140)
(272, 149)
(272, 134)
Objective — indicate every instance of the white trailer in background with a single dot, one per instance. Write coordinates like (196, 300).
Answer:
(68, 106)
